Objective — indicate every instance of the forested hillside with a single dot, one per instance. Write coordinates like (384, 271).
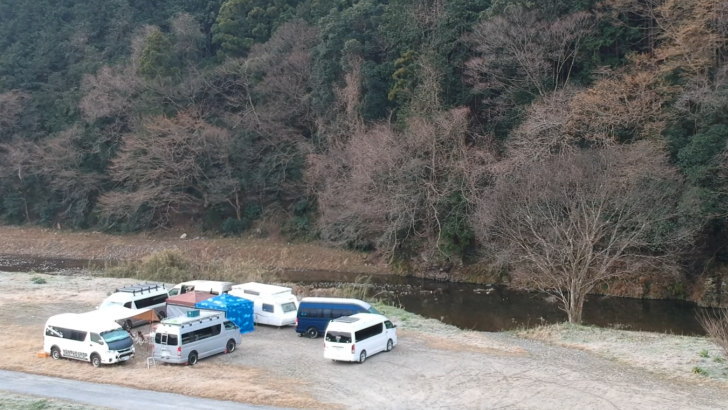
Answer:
(505, 137)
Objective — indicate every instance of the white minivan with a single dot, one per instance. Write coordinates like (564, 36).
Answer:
(356, 337)
(212, 286)
(272, 305)
(186, 339)
(146, 295)
(88, 337)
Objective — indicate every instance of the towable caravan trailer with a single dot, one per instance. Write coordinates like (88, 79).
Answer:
(273, 305)
(186, 339)
(87, 337)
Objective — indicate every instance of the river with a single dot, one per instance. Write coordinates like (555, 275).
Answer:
(467, 306)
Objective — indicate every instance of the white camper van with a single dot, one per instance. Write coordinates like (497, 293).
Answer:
(87, 337)
(186, 339)
(272, 305)
(212, 286)
(356, 337)
(147, 295)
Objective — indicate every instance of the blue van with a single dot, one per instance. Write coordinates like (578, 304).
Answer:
(314, 314)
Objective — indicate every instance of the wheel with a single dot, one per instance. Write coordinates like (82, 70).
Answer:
(95, 360)
(312, 332)
(192, 358)
(362, 356)
(390, 345)
(55, 352)
(230, 346)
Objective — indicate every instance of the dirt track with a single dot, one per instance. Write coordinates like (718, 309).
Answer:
(434, 365)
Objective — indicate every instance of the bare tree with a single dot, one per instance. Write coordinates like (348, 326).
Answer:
(170, 166)
(520, 51)
(579, 219)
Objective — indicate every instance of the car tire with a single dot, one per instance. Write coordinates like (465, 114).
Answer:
(362, 356)
(230, 346)
(192, 359)
(95, 360)
(390, 345)
(55, 352)
(312, 333)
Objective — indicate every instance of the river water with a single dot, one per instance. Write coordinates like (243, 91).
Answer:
(467, 306)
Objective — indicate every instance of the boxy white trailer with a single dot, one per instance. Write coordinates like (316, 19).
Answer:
(272, 304)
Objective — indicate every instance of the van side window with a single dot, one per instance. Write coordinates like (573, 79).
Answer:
(150, 301)
(230, 325)
(267, 308)
(127, 305)
(388, 324)
(200, 334)
(52, 331)
(96, 338)
(328, 313)
(310, 312)
(368, 332)
(165, 339)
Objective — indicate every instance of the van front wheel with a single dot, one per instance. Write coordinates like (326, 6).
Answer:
(55, 352)
(192, 359)
(230, 347)
(390, 345)
(312, 332)
(95, 360)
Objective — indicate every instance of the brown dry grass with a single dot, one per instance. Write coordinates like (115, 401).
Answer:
(210, 379)
(269, 254)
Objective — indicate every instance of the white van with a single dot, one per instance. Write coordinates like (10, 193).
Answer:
(212, 286)
(147, 295)
(87, 337)
(356, 337)
(186, 339)
(272, 305)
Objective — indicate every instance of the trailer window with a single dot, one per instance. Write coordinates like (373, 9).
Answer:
(338, 337)
(267, 308)
(288, 307)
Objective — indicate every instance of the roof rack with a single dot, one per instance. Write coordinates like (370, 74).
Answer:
(141, 288)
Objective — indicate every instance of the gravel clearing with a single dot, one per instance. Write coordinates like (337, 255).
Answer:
(435, 365)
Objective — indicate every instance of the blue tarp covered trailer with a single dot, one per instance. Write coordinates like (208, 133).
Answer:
(237, 310)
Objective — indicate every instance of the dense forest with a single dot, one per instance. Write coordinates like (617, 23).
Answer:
(503, 137)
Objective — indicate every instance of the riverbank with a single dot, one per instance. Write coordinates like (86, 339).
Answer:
(434, 363)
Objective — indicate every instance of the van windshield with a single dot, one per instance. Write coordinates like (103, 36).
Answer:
(114, 335)
(288, 307)
(338, 337)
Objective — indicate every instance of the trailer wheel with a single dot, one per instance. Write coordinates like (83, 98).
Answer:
(311, 332)
(362, 356)
(55, 352)
(95, 360)
(390, 345)
(192, 358)
(230, 346)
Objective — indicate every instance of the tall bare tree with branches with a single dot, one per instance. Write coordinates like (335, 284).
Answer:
(577, 220)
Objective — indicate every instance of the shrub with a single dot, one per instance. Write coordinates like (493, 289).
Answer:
(716, 327)
(37, 280)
